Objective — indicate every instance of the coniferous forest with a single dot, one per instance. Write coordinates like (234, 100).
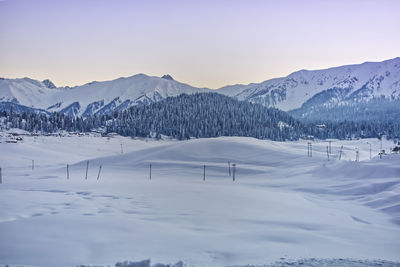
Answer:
(199, 116)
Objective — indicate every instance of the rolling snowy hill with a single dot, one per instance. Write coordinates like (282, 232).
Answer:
(282, 204)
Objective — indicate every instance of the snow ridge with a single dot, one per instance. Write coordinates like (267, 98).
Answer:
(354, 83)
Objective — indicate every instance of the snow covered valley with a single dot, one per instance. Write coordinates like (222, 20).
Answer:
(282, 203)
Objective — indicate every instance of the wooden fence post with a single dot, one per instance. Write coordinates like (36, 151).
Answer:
(330, 151)
(233, 172)
(327, 152)
(98, 175)
(204, 172)
(357, 155)
(87, 167)
(229, 167)
(150, 172)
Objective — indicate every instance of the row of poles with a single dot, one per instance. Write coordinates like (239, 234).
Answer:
(231, 173)
(329, 151)
(87, 170)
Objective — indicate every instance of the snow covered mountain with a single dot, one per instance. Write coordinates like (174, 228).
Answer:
(94, 97)
(352, 83)
(305, 92)
(25, 91)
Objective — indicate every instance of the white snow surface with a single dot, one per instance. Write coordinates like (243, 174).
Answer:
(378, 78)
(282, 204)
(139, 87)
(25, 91)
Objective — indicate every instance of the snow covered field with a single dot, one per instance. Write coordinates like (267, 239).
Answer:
(282, 204)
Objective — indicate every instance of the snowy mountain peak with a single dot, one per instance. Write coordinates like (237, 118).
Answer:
(49, 84)
(360, 82)
(301, 89)
(167, 77)
(94, 97)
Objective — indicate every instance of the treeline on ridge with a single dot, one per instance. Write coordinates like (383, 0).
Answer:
(201, 115)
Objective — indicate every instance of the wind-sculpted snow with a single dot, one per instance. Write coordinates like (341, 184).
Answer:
(327, 263)
(281, 263)
(282, 203)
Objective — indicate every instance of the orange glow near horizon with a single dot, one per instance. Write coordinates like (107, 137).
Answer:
(202, 43)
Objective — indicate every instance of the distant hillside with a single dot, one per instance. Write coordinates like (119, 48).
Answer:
(376, 109)
(205, 115)
(337, 93)
(199, 115)
(308, 89)
(94, 97)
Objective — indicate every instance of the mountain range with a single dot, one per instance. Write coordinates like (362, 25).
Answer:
(303, 92)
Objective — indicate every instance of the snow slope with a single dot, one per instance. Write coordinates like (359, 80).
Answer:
(329, 86)
(92, 97)
(25, 91)
(359, 82)
(282, 204)
(231, 90)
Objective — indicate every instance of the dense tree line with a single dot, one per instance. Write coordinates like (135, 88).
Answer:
(354, 129)
(48, 123)
(375, 109)
(198, 116)
(205, 115)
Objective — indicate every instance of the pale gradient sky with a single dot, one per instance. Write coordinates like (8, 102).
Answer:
(206, 43)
